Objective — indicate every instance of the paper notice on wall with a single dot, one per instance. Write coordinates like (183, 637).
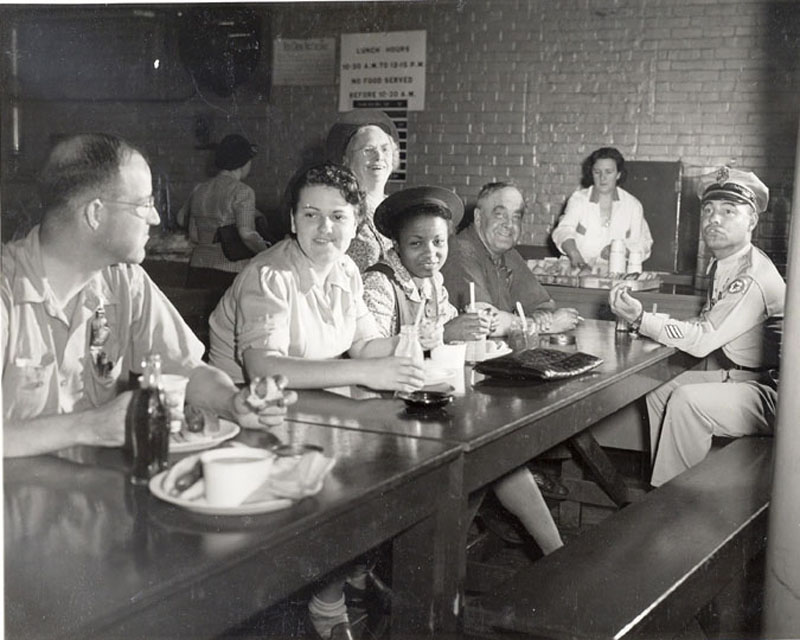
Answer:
(385, 67)
(310, 61)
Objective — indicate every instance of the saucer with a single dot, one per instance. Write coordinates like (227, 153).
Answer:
(200, 505)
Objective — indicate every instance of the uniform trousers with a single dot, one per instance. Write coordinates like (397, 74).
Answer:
(687, 411)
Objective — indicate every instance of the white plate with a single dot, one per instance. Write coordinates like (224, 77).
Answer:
(503, 350)
(227, 430)
(201, 506)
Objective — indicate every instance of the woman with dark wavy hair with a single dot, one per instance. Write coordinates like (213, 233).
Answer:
(299, 305)
(601, 212)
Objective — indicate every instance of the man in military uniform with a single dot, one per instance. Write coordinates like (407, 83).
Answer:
(738, 329)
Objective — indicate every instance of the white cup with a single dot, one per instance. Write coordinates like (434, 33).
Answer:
(175, 396)
(450, 356)
(233, 473)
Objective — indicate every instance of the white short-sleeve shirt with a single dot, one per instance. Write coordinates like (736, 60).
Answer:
(279, 305)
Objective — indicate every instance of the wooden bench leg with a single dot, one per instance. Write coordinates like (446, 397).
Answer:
(588, 451)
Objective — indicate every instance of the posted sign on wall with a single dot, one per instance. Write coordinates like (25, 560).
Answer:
(311, 61)
(383, 67)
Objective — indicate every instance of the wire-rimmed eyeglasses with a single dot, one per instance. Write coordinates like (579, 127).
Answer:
(373, 151)
(141, 209)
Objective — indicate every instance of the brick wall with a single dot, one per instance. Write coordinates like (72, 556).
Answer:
(520, 90)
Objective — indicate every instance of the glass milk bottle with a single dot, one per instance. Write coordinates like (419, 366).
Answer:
(476, 349)
(409, 345)
(616, 258)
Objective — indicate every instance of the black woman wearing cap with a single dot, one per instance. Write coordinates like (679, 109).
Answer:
(419, 222)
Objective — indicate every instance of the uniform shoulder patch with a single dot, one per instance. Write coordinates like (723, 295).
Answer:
(739, 285)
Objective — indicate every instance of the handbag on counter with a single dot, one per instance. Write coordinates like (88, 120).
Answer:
(539, 364)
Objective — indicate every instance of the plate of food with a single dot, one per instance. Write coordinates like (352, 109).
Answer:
(211, 432)
(289, 478)
(198, 503)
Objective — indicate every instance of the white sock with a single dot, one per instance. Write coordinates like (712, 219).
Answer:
(326, 615)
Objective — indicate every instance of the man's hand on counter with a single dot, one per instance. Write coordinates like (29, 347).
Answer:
(623, 304)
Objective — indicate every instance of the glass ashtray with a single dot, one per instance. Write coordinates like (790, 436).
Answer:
(424, 401)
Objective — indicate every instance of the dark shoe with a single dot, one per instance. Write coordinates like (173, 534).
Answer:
(377, 597)
(503, 525)
(549, 486)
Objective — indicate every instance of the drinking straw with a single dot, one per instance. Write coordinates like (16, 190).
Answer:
(655, 307)
(418, 319)
(522, 317)
(472, 297)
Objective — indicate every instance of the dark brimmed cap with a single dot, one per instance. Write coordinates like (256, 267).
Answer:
(390, 214)
(351, 121)
(737, 186)
(233, 152)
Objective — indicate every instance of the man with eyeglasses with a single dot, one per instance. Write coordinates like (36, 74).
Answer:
(79, 314)
(483, 254)
(739, 330)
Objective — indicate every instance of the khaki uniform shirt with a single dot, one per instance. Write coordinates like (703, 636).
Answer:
(50, 365)
(743, 314)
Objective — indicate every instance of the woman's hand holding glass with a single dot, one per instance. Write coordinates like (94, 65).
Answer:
(497, 325)
(394, 373)
(469, 326)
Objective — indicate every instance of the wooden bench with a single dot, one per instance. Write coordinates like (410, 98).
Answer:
(648, 569)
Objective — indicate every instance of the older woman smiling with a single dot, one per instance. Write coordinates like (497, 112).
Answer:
(366, 141)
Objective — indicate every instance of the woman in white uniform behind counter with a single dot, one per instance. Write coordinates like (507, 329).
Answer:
(601, 213)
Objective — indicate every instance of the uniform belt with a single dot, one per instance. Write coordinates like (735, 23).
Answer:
(740, 367)
(725, 362)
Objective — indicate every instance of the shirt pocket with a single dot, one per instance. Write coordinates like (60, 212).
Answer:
(26, 385)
